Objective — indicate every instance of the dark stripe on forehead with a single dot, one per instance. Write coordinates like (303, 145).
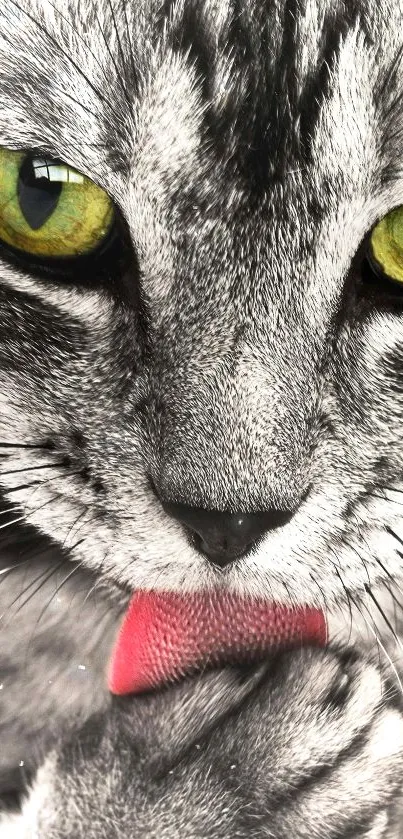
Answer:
(389, 103)
(269, 110)
(317, 88)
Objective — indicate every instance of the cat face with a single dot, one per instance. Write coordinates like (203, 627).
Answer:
(233, 351)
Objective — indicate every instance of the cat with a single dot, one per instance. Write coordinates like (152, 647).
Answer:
(216, 757)
(211, 397)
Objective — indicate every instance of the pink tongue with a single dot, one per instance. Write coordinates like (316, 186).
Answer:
(165, 635)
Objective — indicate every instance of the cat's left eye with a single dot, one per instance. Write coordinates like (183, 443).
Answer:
(48, 209)
(386, 246)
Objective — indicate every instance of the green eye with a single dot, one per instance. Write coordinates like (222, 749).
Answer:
(387, 245)
(48, 209)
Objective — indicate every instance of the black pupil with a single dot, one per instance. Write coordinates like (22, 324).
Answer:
(38, 193)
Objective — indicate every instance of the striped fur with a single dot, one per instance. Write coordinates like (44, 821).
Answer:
(234, 358)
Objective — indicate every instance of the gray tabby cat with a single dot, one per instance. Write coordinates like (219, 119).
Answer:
(231, 352)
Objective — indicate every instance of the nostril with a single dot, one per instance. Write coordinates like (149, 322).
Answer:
(223, 536)
(220, 555)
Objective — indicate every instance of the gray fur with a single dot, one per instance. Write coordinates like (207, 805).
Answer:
(227, 402)
(219, 758)
(239, 363)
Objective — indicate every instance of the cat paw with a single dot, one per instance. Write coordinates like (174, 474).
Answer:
(308, 746)
(325, 747)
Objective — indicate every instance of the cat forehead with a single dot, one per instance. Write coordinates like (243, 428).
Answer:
(168, 90)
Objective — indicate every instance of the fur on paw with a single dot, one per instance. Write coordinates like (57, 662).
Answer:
(310, 745)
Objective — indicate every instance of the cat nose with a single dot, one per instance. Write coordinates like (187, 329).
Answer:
(224, 537)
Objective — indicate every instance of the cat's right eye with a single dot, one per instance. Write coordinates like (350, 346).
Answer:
(48, 209)
(386, 246)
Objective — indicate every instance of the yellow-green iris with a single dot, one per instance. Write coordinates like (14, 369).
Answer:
(48, 209)
(387, 244)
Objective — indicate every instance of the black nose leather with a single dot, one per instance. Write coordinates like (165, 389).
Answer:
(224, 537)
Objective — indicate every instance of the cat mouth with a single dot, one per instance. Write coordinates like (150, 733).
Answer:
(165, 636)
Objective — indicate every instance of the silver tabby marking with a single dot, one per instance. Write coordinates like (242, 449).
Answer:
(236, 360)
